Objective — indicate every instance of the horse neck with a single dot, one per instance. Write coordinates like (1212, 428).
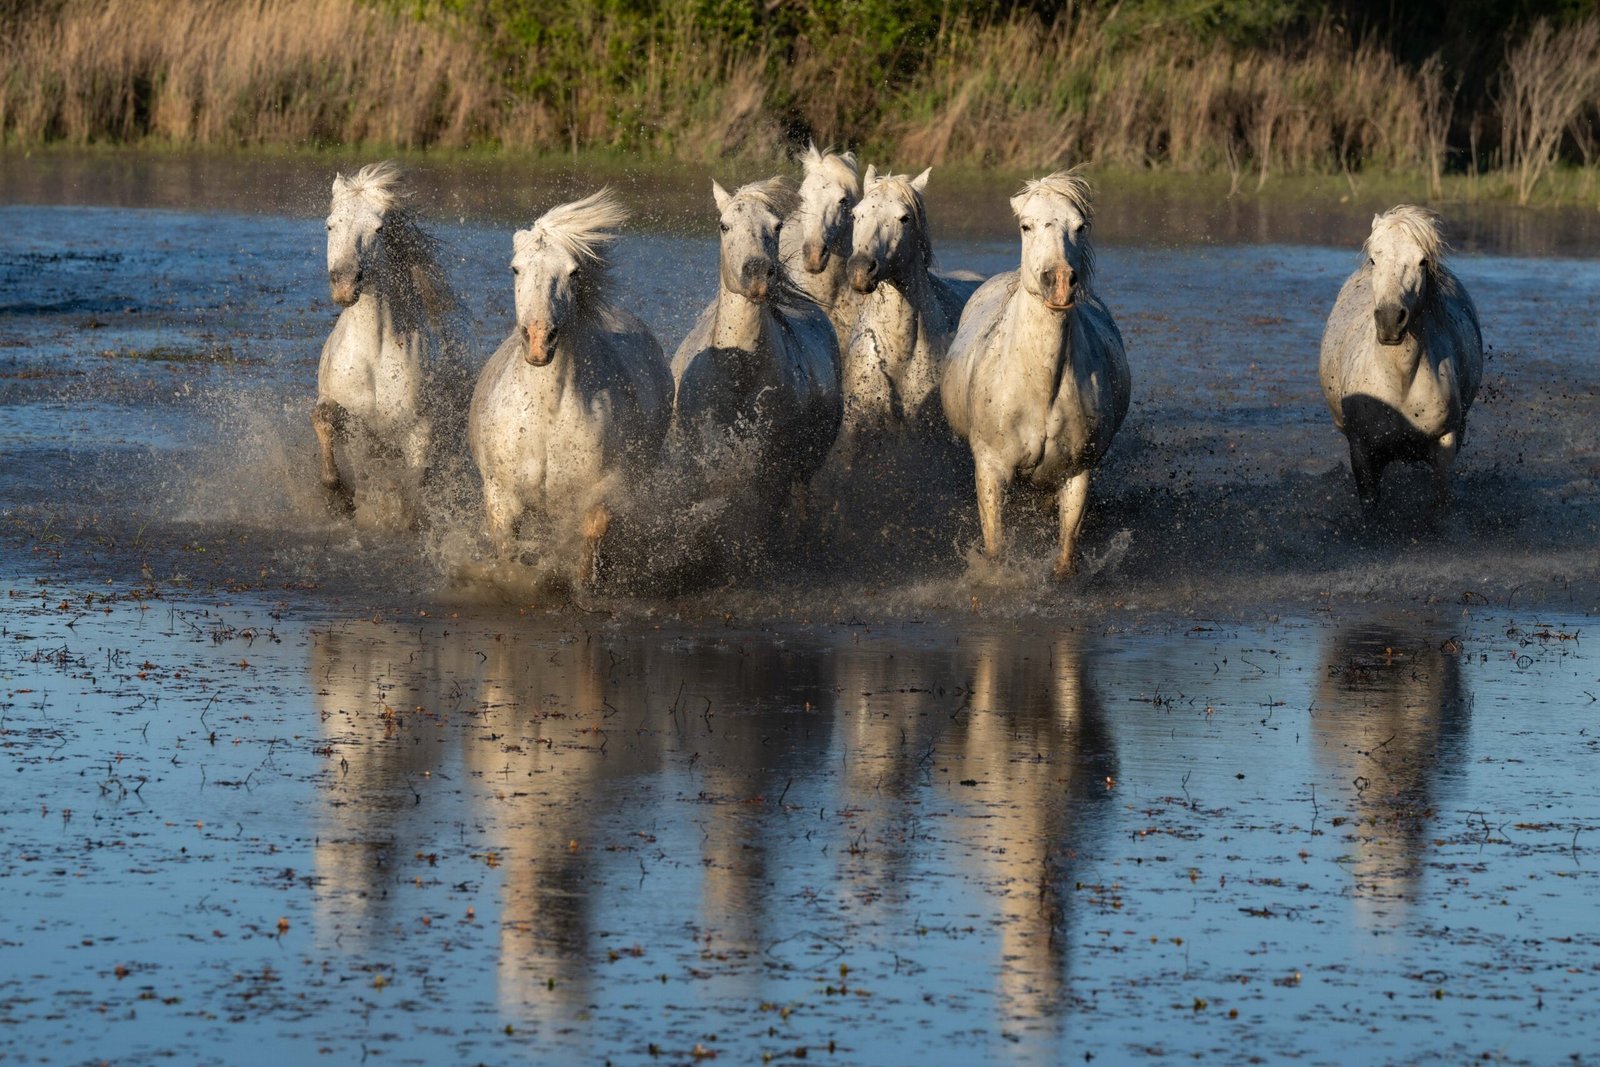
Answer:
(909, 301)
(1040, 337)
(741, 324)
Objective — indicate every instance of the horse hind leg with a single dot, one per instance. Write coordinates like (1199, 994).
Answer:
(330, 422)
(1073, 501)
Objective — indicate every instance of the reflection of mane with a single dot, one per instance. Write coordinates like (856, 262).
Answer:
(1074, 188)
(416, 274)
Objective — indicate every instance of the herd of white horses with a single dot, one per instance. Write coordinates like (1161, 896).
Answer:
(830, 328)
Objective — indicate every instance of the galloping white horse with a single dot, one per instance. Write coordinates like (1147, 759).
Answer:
(816, 237)
(760, 369)
(1402, 354)
(1037, 381)
(375, 383)
(895, 357)
(576, 402)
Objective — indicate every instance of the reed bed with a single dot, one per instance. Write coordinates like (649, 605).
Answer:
(1014, 92)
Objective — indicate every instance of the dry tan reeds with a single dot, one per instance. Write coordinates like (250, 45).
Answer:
(1015, 92)
(1549, 79)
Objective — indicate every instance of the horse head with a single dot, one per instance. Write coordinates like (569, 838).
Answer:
(1054, 214)
(828, 194)
(355, 228)
(558, 267)
(751, 222)
(1404, 253)
(891, 230)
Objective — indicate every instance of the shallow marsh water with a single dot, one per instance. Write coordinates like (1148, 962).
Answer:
(270, 786)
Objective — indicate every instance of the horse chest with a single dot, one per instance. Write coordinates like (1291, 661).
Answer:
(369, 368)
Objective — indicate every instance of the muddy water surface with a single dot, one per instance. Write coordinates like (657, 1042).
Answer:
(1270, 780)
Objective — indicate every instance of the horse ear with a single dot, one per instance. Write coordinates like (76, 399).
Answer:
(920, 182)
(1017, 202)
(720, 195)
(811, 152)
(340, 184)
(870, 178)
(1375, 219)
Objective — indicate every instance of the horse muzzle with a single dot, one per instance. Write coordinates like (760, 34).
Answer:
(863, 271)
(539, 342)
(344, 289)
(816, 257)
(755, 279)
(1058, 286)
(1390, 321)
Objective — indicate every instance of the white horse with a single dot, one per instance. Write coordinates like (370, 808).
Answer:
(816, 237)
(895, 357)
(574, 405)
(376, 383)
(1037, 381)
(760, 369)
(1402, 354)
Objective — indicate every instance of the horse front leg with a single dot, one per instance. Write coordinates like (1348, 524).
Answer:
(596, 521)
(500, 512)
(330, 422)
(1073, 499)
(1444, 462)
(991, 500)
(1367, 473)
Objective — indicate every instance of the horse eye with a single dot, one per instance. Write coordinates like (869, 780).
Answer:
(777, 227)
(1423, 264)
(905, 218)
(1027, 227)
(844, 200)
(725, 227)
(516, 270)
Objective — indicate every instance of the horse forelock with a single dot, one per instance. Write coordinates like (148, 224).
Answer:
(1420, 226)
(837, 167)
(771, 194)
(380, 185)
(583, 228)
(1070, 185)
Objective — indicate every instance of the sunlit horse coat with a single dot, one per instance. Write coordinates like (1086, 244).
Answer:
(758, 375)
(1402, 353)
(574, 405)
(1036, 381)
(385, 370)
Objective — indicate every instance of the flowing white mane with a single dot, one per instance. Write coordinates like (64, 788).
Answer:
(381, 185)
(1419, 225)
(420, 279)
(583, 228)
(839, 167)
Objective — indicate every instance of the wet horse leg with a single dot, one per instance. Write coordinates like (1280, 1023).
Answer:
(991, 500)
(1367, 473)
(1444, 461)
(596, 521)
(1072, 499)
(330, 422)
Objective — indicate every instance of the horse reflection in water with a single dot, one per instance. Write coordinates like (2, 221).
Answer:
(1021, 719)
(1391, 712)
(382, 698)
(559, 740)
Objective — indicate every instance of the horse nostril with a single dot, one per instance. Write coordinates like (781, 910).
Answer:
(1400, 319)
